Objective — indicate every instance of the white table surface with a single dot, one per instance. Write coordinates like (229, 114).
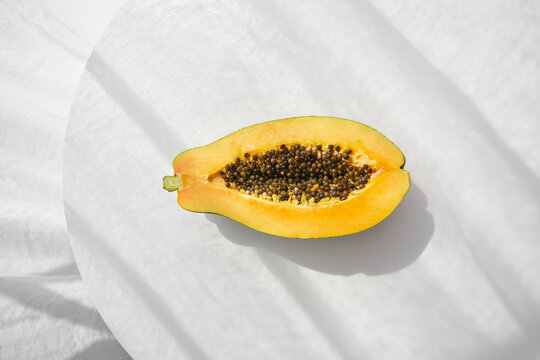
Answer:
(453, 274)
(454, 84)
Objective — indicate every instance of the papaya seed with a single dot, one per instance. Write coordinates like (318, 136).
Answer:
(307, 171)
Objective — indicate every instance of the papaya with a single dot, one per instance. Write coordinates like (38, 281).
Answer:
(301, 177)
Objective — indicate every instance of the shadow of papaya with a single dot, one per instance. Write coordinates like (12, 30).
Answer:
(392, 245)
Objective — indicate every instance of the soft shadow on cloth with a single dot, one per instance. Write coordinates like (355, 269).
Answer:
(31, 292)
(390, 246)
(103, 349)
(162, 135)
(513, 294)
(152, 302)
(323, 317)
(459, 98)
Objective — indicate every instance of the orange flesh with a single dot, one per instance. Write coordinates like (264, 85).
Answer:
(203, 190)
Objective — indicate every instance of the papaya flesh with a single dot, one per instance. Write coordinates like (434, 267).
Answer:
(302, 177)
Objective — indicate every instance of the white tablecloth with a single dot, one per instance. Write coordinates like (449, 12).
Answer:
(481, 56)
(45, 310)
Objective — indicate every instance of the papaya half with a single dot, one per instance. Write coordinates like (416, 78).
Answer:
(301, 177)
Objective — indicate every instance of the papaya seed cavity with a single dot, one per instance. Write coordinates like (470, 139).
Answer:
(297, 173)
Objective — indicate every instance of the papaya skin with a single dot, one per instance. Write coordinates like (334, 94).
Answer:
(200, 189)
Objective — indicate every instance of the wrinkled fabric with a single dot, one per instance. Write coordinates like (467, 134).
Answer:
(45, 310)
(451, 274)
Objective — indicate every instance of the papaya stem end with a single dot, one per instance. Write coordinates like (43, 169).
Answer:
(172, 183)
